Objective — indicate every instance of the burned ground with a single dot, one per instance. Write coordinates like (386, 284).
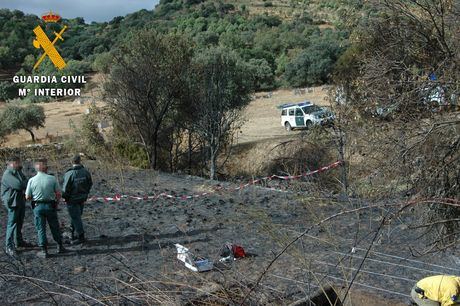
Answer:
(130, 256)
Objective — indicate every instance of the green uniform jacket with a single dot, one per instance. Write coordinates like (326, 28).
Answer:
(77, 184)
(14, 184)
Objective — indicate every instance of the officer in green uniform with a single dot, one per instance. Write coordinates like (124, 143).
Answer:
(13, 187)
(43, 189)
(75, 189)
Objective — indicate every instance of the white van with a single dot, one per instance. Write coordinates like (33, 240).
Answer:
(304, 115)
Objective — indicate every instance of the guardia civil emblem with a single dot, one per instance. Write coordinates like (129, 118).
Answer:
(42, 41)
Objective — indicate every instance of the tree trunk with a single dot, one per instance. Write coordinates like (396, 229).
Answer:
(213, 152)
(342, 158)
(154, 151)
(189, 156)
(32, 135)
(212, 165)
(341, 149)
(171, 156)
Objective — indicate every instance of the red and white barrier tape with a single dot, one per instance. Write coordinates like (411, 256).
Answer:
(119, 197)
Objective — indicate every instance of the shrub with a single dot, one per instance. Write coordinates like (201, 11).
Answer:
(90, 134)
(134, 153)
(16, 118)
(102, 62)
(315, 64)
(8, 91)
(299, 156)
(261, 74)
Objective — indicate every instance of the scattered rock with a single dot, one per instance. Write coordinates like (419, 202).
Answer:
(79, 269)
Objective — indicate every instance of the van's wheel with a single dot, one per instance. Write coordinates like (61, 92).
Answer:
(308, 124)
(287, 126)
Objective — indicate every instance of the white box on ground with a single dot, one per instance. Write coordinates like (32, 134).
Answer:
(202, 265)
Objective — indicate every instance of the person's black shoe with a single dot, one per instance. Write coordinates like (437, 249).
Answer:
(61, 249)
(81, 239)
(72, 231)
(43, 253)
(76, 242)
(25, 244)
(11, 252)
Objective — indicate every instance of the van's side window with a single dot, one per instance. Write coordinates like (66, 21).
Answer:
(283, 113)
(298, 112)
(291, 112)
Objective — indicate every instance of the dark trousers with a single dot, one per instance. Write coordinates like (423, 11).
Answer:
(75, 212)
(46, 213)
(14, 226)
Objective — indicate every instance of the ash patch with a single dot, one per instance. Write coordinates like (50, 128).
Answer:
(130, 256)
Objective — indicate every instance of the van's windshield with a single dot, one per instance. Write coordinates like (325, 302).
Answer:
(311, 109)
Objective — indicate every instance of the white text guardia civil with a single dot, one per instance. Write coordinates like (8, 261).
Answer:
(46, 79)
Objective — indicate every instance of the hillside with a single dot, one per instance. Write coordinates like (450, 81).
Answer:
(279, 41)
(320, 11)
(130, 256)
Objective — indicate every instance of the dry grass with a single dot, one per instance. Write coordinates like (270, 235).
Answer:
(263, 118)
(262, 132)
(263, 122)
(60, 116)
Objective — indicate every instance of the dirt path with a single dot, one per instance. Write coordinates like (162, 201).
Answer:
(263, 117)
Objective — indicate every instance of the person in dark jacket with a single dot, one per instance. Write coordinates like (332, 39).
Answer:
(13, 188)
(75, 189)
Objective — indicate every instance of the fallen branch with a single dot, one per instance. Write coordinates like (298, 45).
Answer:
(53, 283)
(404, 206)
